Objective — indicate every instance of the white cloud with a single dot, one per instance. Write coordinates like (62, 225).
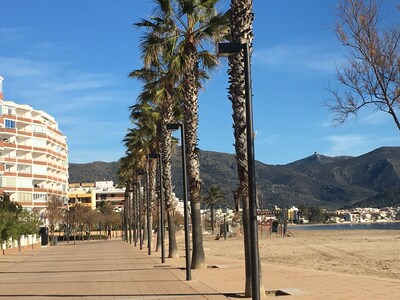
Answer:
(10, 34)
(20, 67)
(357, 144)
(298, 57)
(54, 86)
(84, 103)
(268, 140)
(374, 118)
(76, 81)
(350, 144)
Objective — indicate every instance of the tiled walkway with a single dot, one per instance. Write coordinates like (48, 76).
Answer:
(116, 270)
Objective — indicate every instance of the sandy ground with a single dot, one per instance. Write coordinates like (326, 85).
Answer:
(359, 252)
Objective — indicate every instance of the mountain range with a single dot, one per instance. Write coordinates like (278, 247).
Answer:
(369, 180)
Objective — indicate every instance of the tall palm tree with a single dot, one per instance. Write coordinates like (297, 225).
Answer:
(161, 75)
(197, 23)
(241, 25)
(145, 116)
(213, 197)
(161, 85)
(190, 25)
(124, 176)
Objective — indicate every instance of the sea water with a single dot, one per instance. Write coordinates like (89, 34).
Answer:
(350, 226)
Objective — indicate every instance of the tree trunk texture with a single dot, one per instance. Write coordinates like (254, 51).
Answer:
(166, 144)
(144, 212)
(241, 21)
(190, 96)
(152, 189)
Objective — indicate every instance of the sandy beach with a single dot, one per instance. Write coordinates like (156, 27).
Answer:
(359, 252)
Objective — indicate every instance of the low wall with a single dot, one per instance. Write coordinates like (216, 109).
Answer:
(24, 242)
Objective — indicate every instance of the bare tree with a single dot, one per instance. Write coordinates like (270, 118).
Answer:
(371, 75)
(54, 213)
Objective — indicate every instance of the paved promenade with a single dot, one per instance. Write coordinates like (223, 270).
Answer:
(116, 270)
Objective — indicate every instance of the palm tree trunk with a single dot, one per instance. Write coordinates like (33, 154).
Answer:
(241, 20)
(152, 190)
(190, 96)
(166, 144)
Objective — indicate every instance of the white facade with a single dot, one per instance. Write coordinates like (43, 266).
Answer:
(33, 155)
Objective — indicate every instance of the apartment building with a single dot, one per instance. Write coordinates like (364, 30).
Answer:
(33, 155)
(92, 194)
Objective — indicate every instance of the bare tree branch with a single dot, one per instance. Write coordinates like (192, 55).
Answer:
(371, 75)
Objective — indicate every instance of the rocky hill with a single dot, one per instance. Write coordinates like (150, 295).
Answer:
(372, 179)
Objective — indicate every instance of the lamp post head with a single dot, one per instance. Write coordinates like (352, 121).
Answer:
(173, 126)
(226, 49)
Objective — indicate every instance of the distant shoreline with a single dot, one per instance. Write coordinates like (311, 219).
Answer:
(387, 225)
(344, 223)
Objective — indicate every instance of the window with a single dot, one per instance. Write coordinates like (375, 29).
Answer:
(41, 143)
(25, 197)
(39, 197)
(39, 129)
(9, 123)
(8, 110)
(26, 169)
(40, 170)
(7, 182)
(24, 183)
(86, 200)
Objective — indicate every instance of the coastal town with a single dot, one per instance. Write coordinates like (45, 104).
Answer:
(295, 215)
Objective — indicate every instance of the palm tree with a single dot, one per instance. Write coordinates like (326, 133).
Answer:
(146, 116)
(188, 25)
(124, 175)
(161, 85)
(241, 24)
(213, 197)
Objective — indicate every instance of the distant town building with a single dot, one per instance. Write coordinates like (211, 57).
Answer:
(33, 155)
(92, 194)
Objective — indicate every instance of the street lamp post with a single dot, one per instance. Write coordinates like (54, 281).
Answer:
(144, 172)
(131, 210)
(129, 218)
(148, 215)
(226, 49)
(140, 220)
(185, 200)
(135, 202)
(126, 222)
(161, 225)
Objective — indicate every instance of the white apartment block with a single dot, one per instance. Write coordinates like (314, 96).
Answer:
(33, 155)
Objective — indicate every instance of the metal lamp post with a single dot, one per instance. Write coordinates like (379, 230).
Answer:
(127, 211)
(135, 202)
(185, 200)
(131, 216)
(161, 221)
(226, 49)
(140, 221)
(144, 172)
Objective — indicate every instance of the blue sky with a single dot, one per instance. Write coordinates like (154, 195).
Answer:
(72, 60)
